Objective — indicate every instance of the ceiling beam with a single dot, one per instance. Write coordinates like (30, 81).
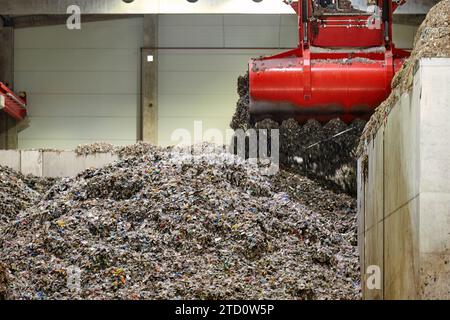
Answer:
(27, 7)
(50, 20)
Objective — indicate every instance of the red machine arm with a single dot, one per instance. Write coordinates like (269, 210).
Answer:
(343, 66)
(11, 103)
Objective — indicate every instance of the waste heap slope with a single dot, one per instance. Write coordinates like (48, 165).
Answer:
(323, 152)
(154, 227)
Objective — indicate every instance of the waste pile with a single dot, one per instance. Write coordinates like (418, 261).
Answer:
(15, 194)
(432, 40)
(137, 149)
(97, 147)
(3, 283)
(172, 225)
(325, 153)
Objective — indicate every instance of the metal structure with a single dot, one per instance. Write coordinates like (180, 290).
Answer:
(51, 7)
(11, 103)
(343, 65)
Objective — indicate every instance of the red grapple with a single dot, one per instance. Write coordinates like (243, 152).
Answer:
(343, 66)
(11, 103)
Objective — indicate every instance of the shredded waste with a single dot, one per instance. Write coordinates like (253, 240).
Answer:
(163, 224)
(325, 153)
(137, 149)
(432, 40)
(18, 192)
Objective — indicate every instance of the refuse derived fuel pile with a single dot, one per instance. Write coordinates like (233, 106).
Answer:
(150, 227)
(18, 192)
(326, 153)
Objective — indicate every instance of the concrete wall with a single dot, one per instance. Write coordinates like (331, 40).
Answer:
(53, 163)
(404, 192)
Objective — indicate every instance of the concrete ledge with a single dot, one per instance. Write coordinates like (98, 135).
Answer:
(31, 163)
(10, 158)
(53, 163)
(435, 275)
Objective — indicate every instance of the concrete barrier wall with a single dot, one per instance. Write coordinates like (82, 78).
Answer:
(404, 193)
(53, 163)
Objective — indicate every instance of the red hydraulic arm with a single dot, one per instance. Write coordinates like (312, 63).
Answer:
(11, 103)
(343, 66)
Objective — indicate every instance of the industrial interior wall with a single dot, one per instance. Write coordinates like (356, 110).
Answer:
(202, 58)
(404, 193)
(82, 85)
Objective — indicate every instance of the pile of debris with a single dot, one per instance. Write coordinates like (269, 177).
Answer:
(96, 147)
(138, 149)
(3, 283)
(15, 194)
(171, 225)
(325, 153)
(241, 117)
(432, 40)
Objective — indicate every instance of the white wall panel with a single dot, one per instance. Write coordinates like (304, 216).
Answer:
(252, 20)
(288, 36)
(199, 85)
(227, 31)
(189, 83)
(27, 60)
(77, 105)
(73, 128)
(122, 33)
(252, 36)
(78, 82)
(289, 20)
(83, 86)
(206, 60)
(172, 20)
(190, 36)
(179, 105)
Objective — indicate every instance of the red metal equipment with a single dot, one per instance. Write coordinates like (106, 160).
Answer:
(11, 103)
(343, 66)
